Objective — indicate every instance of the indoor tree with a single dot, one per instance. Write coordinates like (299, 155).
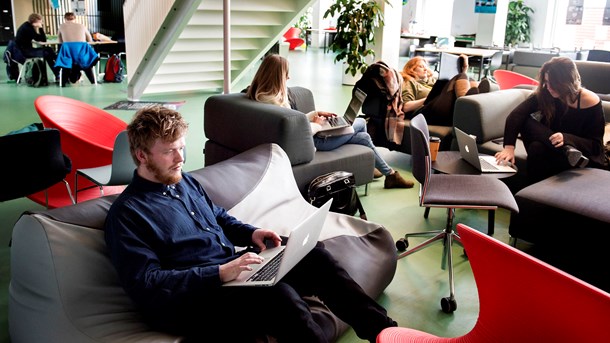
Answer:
(517, 23)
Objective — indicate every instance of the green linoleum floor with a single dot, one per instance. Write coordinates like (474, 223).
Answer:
(413, 297)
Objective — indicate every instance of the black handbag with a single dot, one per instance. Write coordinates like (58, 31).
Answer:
(341, 187)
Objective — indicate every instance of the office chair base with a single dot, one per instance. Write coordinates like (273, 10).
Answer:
(447, 236)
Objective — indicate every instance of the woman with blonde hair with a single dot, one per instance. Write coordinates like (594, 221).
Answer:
(269, 86)
(561, 124)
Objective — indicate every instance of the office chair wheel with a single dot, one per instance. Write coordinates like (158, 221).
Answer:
(402, 244)
(448, 305)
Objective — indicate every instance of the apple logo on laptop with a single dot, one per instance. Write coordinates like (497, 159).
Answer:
(466, 147)
(305, 240)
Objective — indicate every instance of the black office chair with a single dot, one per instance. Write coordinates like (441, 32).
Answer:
(449, 192)
(492, 64)
(34, 162)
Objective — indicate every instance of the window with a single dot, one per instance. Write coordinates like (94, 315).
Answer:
(591, 34)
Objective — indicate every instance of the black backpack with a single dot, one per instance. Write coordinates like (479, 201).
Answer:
(36, 73)
(114, 69)
(341, 187)
(12, 67)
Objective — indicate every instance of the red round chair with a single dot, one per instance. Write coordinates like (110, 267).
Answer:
(508, 79)
(521, 299)
(293, 37)
(87, 137)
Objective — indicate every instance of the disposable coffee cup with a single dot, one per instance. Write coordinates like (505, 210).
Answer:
(435, 142)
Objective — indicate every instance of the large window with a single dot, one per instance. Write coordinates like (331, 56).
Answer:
(591, 33)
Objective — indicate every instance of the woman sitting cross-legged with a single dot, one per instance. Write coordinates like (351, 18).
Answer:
(269, 86)
(561, 123)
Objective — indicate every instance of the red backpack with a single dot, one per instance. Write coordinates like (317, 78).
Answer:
(114, 69)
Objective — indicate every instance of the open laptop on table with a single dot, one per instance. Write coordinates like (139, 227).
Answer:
(351, 112)
(470, 153)
(280, 260)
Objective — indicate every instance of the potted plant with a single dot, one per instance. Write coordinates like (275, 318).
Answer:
(356, 23)
(517, 23)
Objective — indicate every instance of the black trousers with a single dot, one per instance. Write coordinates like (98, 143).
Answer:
(543, 159)
(280, 310)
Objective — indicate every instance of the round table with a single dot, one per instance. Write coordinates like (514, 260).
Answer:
(451, 162)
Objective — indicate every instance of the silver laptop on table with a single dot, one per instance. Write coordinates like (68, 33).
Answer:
(470, 153)
(280, 260)
(351, 112)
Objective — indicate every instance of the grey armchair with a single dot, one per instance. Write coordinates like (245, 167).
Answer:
(233, 124)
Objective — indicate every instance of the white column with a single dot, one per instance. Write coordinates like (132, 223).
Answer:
(387, 38)
(492, 27)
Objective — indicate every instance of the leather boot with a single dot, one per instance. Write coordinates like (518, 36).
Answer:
(575, 157)
(396, 181)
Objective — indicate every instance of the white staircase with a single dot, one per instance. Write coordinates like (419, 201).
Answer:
(177, 46)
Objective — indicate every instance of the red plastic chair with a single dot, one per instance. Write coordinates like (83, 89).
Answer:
(522, 299)
(293, 37)
(508, 79)
(87, 138)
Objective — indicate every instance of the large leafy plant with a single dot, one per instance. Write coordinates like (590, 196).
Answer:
(356, 23)
(517, 23)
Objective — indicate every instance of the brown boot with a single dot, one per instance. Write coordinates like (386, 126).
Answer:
(396, 181)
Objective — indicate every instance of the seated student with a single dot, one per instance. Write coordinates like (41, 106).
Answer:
(71, 31)
(561, 124)
(439, 109)
(269, 86)
(29, 34)
(173, 249)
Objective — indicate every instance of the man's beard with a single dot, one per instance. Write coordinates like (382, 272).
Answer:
(164, 178)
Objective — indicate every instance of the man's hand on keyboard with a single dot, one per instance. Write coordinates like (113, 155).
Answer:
(231, 270)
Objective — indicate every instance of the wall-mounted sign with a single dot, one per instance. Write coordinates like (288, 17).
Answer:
(574, 14)
(485, 6)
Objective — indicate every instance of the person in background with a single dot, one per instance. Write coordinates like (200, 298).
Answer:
(561, 124)
(71, 31)
(269, 86)
(439, 109)
(28, 37)
(173, 249)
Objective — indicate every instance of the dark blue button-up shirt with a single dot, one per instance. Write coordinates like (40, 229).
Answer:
(167, 242)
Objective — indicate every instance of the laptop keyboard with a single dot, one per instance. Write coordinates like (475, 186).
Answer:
(268, 271)
(337, 121)
(486, 165)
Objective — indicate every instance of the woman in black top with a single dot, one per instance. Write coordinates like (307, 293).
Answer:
(561, 124)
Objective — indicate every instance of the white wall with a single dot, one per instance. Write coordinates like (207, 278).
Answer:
(387, 40)
(437, 16)
(464, 21)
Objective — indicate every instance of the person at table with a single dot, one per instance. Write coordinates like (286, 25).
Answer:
(28, 37)
(174, 248)
(561, 124)
(71, 31)
(269, 86)
(437, 110)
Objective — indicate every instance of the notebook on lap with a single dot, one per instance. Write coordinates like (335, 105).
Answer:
(470, 153)
(351, 112)
(280, 260)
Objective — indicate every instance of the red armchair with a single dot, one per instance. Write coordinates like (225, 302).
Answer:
(522, 299)
(508, 79)
(293, 37)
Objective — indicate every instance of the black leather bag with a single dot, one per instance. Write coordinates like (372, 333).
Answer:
(341, 187)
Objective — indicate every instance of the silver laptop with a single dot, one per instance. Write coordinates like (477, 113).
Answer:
(351, 112)
(280, 260)
(470, 153)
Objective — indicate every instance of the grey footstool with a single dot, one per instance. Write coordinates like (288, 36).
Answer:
(572, 205)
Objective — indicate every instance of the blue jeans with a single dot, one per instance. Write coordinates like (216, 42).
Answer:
(360, 136)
